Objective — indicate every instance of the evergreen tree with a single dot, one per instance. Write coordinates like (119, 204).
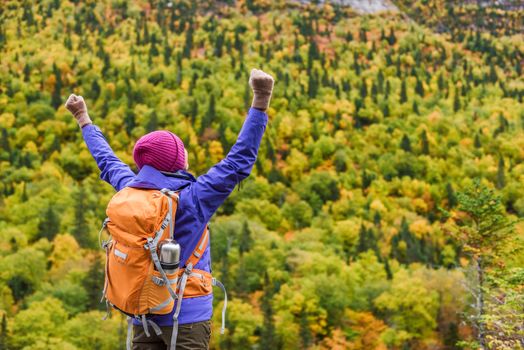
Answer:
(146, 29)
(152, 123)
(268, 337)
(194, 111)
(377, 219)
(363, 89)
(305, 333)
(167, 52)
(3, 332)
(129, 120)
(106, 66)
(380, 82)
(492, 73)
(4, 141)
(387, 268)
(450, 193)
(456, 102)
(209, 116)
(27, 72)
(403, 92)
(477, 142)
(419, 88)
(188, 42)
(219, 43)
(366, 240)
(56, 99)
(312, 85)
(80, 227)
(153, 49)
(501, 178)
(413, 252)
(49, 224)
(405, 144)
(24, 193)
(392, 38)
(192, 84)
(93, 284)
(245, 239)
(424, 142)
(95, 89)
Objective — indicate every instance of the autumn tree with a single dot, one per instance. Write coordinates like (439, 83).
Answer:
(485, 231)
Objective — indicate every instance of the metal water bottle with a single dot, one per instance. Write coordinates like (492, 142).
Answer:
(169, 255)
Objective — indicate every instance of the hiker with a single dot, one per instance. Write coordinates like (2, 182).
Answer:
(162, 161)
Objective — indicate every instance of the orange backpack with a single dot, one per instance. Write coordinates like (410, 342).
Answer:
(135, 283)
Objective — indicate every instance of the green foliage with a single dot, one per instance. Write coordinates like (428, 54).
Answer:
(376, 123)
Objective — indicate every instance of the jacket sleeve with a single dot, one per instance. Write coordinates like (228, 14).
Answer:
(212, 189)
(113, 170)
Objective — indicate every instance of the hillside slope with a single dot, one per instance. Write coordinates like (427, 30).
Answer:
(337, 240)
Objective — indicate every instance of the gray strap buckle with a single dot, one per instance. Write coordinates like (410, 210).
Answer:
(158, 281)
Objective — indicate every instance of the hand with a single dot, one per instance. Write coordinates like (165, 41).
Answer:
(77, 106)
(262, 85)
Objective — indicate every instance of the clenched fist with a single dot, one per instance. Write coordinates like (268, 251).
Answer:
(77, 106)
(262, 85)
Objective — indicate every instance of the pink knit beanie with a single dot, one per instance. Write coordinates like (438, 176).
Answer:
(162, 150)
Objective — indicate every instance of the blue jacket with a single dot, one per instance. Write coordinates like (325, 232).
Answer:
(199, 198)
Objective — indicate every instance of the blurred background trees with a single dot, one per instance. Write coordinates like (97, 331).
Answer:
(344, 235)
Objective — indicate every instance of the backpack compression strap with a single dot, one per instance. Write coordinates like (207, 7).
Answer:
(199, 249)
(190, 263)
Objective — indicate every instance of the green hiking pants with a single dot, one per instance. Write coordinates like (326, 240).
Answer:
(191, 336)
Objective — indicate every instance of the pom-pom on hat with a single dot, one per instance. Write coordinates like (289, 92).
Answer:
(162, 150)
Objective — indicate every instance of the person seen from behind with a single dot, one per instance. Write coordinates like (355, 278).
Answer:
(162, 161)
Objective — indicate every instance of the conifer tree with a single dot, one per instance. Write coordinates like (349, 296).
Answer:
(501, 178)
(80, 227)
(424, 142)
(27, 72)
(167, 52)
(189, 41)
(245, 239)
(484, 233)
(363, 88)
(405, 144)
(456, 102)
(93, 284)
(419, 88)
(3, 332)
(268, 337)
(403, 92)
(56, 99)
(450, 193)
(49, 224)
(152, 123)
(391, 38)
(209, 116)
(477, 142)
(153, 49)
(305, 332)
(382, 34)
(95, 89)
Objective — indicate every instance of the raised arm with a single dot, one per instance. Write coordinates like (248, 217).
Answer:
(212, 189)
(113, 170)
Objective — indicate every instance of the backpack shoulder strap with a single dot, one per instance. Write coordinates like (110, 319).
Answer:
(204, 239)
(199, 249)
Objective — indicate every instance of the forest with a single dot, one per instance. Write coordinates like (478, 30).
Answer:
(384, 210)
